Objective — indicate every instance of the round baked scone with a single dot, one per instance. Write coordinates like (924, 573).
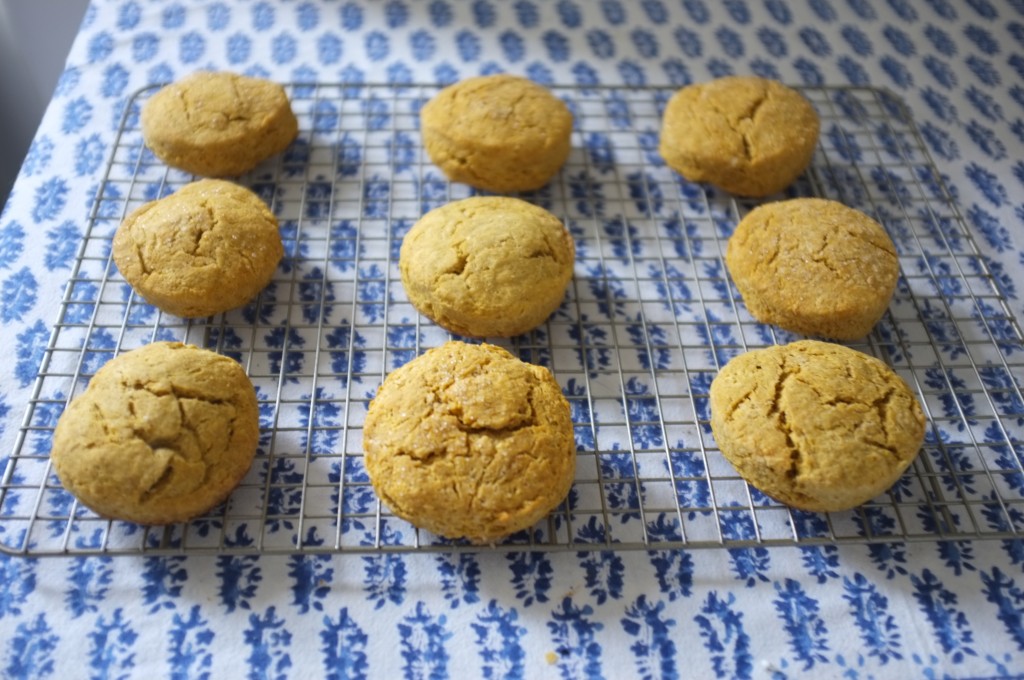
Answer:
(217, 123)
(499, 133)
(815, 425)
(487, 266)
(468, 441)
(813, 266)
(161, 434)
(748, 135)
(207, 248)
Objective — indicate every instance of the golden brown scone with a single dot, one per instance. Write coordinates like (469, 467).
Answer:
(162, 434)
(207, 248)
(815, 425)
(499, 133)
(217, 123)
(487, 266)
(468, 441)
(750, 136)
(813, 266)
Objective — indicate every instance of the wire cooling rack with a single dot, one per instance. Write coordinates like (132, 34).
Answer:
(648, 320)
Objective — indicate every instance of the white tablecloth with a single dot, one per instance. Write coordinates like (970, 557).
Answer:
(925, 609)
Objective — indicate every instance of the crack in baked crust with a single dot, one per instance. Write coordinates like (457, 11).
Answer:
(816, 425)
(467, 440)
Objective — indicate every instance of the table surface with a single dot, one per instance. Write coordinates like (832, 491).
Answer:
(948, 609)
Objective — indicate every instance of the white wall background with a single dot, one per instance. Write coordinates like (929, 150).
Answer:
(35, 36)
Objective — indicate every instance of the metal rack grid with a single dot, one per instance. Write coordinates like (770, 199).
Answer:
(649, 318)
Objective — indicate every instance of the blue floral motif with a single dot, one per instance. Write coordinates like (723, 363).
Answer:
(29, 352)
(308, 17)
(1002, 591)
(949, 625)
(688, 41)
(89, 579)
(498, 643)
(940, 142)
(191, 47)
(697, 10)
(18, 293)
(878, 630)
(991, 227)
(164, 578)
(128, 16)
(721, 628)
(100, 46)
(460, 578)
(574, 636)
(344, 647)
(377, 46)
(808, 635)
(218, 16)
(38, 157)
(12, 243)
(31, 649)
(423, 638)
(773, 41)
(384, 577)
(19, 576)
(145, 46)
(731, 42)
(311, 576)
(239, 577)
(283, 48)
(110, 653)
(749, 565)
(779, 11)
(984, 70)
(239, 48)
(984, 103)
(654, 651)
(269, 642)
(604, 574)
(50, 199)
(531, 576)
(263, 16)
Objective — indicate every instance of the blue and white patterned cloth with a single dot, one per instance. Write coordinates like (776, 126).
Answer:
(922, 609)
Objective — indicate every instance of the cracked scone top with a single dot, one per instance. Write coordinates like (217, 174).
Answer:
(209, 247)
(469, 441)
(487, 266)
(501, 133)
(750, 136)
(815, 425)
(217, 123)
(162, 434)
(813, 266)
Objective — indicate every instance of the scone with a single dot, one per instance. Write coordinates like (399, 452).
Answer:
(207, 248)
(813, 266)
(162, 434)
(747, 135)
(217, 123)
(817, 426)
(468, 441)
(499, 133)
(487, 266)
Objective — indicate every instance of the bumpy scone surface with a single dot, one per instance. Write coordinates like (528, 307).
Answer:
(468, 441)
(217, 123)
(815, 425)
(161, 434)
(487, 266)
(207, 248)
(750, 136)
(813, 266)
(500, 133)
